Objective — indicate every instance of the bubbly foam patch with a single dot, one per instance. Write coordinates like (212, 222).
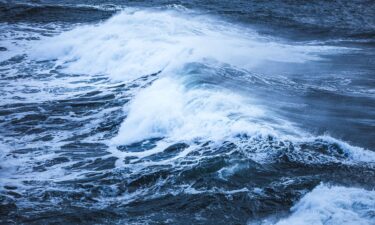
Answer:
(139, 42)
(333, 205)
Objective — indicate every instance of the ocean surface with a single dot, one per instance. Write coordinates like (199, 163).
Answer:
(187, 112)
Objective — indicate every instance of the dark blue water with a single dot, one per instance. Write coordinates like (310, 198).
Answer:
(187, 112)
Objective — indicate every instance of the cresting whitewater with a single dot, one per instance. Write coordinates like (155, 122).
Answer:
(187, 112)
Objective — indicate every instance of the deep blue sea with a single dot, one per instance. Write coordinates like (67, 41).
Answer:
(187, 112)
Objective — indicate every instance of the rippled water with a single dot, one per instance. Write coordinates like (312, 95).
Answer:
(187, 112)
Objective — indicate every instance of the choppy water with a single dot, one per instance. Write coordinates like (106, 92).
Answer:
(187, 112)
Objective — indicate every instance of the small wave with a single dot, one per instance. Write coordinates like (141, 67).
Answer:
(41, 13)
(333, 205)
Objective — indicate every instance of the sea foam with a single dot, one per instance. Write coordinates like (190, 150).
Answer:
(333, 205)
(135, 42)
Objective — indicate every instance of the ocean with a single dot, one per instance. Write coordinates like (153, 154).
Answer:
(187, 112)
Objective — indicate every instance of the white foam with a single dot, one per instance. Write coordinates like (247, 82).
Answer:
(333, 205)
(354, 154)
(139, 42)
(17, 37)
(169, 109)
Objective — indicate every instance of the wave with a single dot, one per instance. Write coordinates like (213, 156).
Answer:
(140, 42)
(184, 104)
(333, 205)
(185, 133)
(169, 109)
(183, 113)
(47, 13)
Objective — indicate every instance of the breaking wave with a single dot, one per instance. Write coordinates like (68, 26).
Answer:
(159, 109)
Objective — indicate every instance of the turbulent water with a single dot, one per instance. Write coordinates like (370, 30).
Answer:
(187, 112)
